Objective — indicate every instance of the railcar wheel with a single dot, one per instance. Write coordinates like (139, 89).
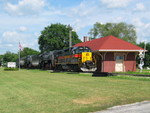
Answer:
(58, 68)
(76, 68)
(50, 65)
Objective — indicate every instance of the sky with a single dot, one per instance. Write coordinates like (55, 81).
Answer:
(23, 20)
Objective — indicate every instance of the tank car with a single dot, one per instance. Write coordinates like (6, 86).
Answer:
(22, 62)
(32, 61)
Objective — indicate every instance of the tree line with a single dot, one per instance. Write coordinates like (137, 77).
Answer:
(12, 57)
(56, 37)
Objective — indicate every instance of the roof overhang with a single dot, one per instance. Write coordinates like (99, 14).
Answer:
(121, 50)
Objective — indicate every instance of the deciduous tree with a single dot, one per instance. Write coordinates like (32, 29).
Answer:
(121, 30)
(56, 37)
(28, 51)
(9, 57)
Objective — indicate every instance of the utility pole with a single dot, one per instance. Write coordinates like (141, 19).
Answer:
(70, 36)
(19, 59)
(20, 49)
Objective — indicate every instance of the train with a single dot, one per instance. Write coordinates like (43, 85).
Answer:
(71, 59)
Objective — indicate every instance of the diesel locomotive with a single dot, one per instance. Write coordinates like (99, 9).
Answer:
(75, 59)
(71, 59)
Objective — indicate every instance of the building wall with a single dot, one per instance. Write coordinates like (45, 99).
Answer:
(109, 62)
(130, 62)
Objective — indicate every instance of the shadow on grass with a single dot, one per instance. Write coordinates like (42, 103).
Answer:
(102, 74)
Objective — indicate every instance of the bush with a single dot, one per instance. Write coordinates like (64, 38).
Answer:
(10, 69)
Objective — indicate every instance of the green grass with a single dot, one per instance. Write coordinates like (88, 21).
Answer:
(144, 72)
(35, 91)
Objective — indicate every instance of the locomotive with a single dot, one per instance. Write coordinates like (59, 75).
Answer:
(47, 60)
(71, 59)
(75, 59)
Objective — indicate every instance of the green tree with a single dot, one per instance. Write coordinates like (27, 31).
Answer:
(28, 51)
(147, 54)
(1, 59)
(10, 57)
(121, 30)
(56, 37)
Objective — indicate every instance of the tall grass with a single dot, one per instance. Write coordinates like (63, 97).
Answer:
(35, 91)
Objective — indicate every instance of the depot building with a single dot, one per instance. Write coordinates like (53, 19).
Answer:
(113, 54)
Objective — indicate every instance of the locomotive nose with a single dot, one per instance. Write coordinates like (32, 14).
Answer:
(89, 64)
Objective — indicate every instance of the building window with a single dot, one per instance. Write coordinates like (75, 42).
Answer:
(119, 57)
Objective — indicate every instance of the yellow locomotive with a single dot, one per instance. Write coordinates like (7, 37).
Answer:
(75, 59)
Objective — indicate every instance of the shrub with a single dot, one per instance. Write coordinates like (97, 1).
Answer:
(10, 69)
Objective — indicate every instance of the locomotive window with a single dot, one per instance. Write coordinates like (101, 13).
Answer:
(82, 49)
(87, 49)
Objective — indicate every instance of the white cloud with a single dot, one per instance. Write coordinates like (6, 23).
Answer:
(22, 28)
(10, 40)
(13, 38)
(10, 45)
(115, 3)
(138, 22)
(142, 29)
(82, 15)
(10, 36)
(85, 8)
(37, 34)
(25, 7)
(140, 7)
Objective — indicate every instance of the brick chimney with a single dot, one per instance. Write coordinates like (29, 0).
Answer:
(85, 38)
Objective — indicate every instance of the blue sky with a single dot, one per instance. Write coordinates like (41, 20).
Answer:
(23, 20)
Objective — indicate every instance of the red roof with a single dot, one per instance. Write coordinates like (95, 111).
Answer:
(110, 43)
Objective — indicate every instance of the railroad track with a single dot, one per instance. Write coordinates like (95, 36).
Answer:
(102, 74)
(140, 75)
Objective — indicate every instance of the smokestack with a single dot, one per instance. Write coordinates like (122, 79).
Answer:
(85, 38)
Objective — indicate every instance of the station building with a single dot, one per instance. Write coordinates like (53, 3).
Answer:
(113, 54)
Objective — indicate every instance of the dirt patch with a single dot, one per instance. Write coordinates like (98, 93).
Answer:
(90, 100)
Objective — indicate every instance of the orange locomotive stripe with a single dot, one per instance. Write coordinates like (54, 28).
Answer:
(77, 55)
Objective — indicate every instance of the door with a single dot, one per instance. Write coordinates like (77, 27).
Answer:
(119, 67)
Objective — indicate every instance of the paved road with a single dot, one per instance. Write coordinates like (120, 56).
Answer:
(139, 107)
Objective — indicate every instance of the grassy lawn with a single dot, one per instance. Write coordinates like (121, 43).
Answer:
(144, 72)
(35, 91)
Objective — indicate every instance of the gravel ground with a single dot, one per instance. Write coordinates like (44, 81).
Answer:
(139, 107)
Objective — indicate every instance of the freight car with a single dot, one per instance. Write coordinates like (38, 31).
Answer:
(22, 62)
